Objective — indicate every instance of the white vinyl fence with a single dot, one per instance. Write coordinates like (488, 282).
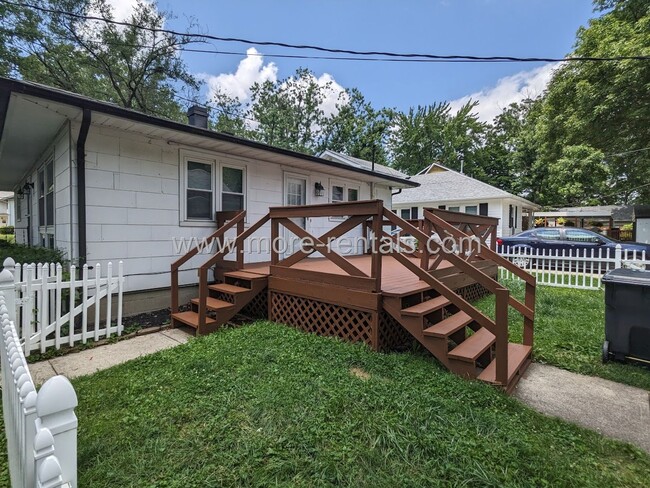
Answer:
(40, 427)
(580, 268)
(56, 307)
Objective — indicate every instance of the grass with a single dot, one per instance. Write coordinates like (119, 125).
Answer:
(267, 405)
(569, 332)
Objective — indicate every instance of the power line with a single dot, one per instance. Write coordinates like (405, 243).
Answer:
(440, 58)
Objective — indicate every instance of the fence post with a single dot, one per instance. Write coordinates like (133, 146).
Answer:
(618, 262)
(55, 408)
(8, 287)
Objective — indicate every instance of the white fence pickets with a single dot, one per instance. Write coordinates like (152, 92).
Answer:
(55, 308)
(580, 268)
(40, 427)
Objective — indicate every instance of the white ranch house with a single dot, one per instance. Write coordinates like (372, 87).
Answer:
(105, 183)
(446, 189)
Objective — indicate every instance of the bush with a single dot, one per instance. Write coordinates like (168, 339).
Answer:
(627, 227)
(8, 230)
(25, 254)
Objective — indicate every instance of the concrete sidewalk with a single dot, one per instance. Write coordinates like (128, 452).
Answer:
(103, 357)
(615, 410)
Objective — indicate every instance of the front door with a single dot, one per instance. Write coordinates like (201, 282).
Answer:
(295, 193)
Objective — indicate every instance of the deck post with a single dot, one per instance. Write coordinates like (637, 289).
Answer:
(427, 228)
(203, 299)
(529, 301)
(374, 331)
(501, 328)
(275, 234)
(377, 225)
(174, 289)
(240, 249)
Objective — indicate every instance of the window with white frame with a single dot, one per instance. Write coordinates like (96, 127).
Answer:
(199, 193)
(454, 209)
(344, 192)
(209, 185)
(233, 186)
(471, 209)
(45, 180)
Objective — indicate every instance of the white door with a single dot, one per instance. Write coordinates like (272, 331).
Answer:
(295, 193)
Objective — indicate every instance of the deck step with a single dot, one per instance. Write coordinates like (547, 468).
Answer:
(426, 307)
(191, 318)
(245, 275)
(229, 289)
(518, 356)
(448, 326)
(471, 348)
(214, 304)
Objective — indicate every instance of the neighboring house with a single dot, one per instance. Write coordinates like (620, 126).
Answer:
(7, 210)
(147, 180)
(444, 188)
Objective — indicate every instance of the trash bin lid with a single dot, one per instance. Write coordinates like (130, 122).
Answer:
(628, 277)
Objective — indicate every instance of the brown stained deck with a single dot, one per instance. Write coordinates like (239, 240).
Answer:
(395, 278)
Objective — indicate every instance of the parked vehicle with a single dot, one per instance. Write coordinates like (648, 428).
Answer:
(569, 249)
(570, 240)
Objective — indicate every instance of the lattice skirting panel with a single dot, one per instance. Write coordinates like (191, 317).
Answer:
(392, 336)
(322, 318)
(258, 307)
(473, 292)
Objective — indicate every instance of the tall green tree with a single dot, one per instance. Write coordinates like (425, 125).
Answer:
(131, 65)
(428, 134)
(604, 105)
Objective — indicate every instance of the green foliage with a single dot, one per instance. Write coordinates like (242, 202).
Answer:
(130, 66)
(569, 332)
(267, 405)
(433, 134)
(580, 176)
(25, 254)
(7, 230)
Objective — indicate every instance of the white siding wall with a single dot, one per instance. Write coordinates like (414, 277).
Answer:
(133, 203)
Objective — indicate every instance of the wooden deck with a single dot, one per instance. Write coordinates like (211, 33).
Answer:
(384, 297)
(396, 280)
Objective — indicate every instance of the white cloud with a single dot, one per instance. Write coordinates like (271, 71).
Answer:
(511, 89)
(250, 70)
(122, 9)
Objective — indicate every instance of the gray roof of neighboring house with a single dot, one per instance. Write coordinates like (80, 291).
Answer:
(449, 185)
(361, 163)
(622, 213)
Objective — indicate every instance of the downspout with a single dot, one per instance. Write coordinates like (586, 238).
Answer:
(399, 190)
(81, 185)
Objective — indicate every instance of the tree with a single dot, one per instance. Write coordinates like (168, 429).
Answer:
(602, 104)
(580, 177)
(425, 135)
(133, 66)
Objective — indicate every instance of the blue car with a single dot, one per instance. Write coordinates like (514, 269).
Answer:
(570, 240)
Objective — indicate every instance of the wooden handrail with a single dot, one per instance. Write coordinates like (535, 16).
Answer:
(175, 266)
(342, 209)
(463, 218)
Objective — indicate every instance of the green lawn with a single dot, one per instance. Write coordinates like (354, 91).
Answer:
(569, 332)
(266, 405)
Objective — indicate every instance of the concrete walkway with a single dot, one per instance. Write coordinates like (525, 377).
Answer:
(103, 357)
(615, 410)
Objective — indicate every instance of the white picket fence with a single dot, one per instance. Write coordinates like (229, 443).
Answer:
(582, 268)
(40, 427)
(56, 308)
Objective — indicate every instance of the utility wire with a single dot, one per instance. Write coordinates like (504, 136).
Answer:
(203, 37)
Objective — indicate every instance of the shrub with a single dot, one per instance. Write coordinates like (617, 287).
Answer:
(25, 254)
(627, 227)
(8, 230)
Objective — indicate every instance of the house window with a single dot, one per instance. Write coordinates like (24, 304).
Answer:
(337, 194)
(442, 207)
(414, 213)
(45, 181)
(454, 209)
(471, 209)
(405, 213)
(232, 188)
(353, 194)
(483, 209)
(200, 191)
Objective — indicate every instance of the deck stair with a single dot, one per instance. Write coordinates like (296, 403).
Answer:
(454, 338)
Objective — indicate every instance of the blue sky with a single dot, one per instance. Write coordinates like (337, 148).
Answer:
(479, 27)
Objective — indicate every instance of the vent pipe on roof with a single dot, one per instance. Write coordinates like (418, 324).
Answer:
(198, 116)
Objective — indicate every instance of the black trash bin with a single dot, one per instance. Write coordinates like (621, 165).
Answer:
(627, 315)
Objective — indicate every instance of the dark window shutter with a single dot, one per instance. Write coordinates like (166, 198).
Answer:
(511, 217)
(414, 213)
(483, 209)
(442, 207)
